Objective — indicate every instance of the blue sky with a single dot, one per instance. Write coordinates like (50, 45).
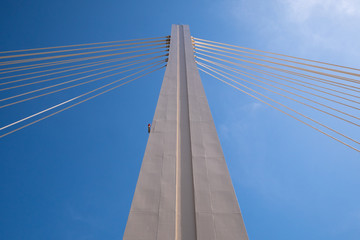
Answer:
(73, 175)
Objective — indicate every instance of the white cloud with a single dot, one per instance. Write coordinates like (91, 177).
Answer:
(304, 10)
(255, 106)
(328, 27)
(308, 28)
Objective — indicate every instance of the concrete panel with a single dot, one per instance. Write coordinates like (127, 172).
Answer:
(152, 213)
(205, 226)
(229, 227)
(147, 222)
(223, 198)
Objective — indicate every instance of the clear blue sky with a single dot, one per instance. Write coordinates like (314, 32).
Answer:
(73, 176)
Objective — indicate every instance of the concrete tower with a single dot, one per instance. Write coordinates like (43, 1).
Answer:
(184, 190)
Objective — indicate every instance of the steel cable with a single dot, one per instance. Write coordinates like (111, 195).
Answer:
(249, 94)
(283, 55)
(39, 65)
(77, 45)
(344, 104)
(289, 79)
(75, 54)
(340, 85)
(31, 123)
(77, 79)
(66, 67)
(276, 63)
(80, 49)
(323, 125)
(46, 80)
(27, 99)
(343, 119)
(198, 44)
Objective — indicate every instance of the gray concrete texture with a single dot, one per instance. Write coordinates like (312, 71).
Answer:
(184, 190)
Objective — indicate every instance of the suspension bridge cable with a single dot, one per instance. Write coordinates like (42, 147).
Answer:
(276, 63)
(66, 67)
(27, 99)
(80, 49)
(315, 108)
(48, 70)
(322, 80)
(199, 44)
(237, 71)
(84, 44)
(249, 94)
(279, 76)
(340, 85)
(87, 65)
(75, 54)
(31, 123)
(334, 95)
(323, 125)
(77, 79)
(40, 65)
(279, 69)
(51, 79)
(278, 54)
(70, 100)
(288, 79)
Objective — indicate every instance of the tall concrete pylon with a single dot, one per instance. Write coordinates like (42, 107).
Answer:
(184, 190)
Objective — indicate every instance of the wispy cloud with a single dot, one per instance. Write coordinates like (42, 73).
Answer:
(326, 24)
(236, 124)
(350, 221)
(304, 10)
(83, 217)
(311, 28)
(255, 106)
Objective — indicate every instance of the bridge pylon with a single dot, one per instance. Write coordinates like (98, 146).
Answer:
(184, 190)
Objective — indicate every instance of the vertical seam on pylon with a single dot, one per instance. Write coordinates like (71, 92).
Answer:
(177, 165)
(188, 104)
